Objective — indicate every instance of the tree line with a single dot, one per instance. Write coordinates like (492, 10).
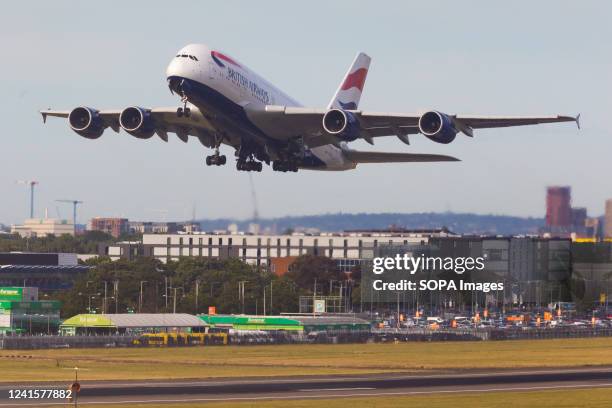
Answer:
(192, 285)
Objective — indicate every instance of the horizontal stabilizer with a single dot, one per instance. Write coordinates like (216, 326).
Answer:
(383, 157)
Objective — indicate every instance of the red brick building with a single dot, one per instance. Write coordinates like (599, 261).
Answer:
(112, 226)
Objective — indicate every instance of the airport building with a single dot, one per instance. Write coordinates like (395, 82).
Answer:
(47, 271)
(22, 312)
(131, 323)
(532, 269)
(294, 323)
(349, 248)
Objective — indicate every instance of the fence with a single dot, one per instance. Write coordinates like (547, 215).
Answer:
(280, 337)
(48, 342)
(527, 333)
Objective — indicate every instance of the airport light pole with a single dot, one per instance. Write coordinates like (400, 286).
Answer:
(174, 298)
(264, 300)
(89, 297)
(116, 285)
(140, 297)
(241, 294)
(197, 292)
(104, 302)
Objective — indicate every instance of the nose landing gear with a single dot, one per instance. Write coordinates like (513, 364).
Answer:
(180, 112)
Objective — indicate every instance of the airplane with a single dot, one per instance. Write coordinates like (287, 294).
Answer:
(224, 102)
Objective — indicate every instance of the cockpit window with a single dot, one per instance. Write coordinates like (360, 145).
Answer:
(192, 57)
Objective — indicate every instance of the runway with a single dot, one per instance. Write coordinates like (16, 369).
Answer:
(160, 392)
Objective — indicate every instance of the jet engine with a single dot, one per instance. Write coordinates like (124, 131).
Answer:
(137, 122)
(438, 127)
(342, 124)
(86, 122)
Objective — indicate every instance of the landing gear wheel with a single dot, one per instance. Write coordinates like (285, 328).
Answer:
(179, 112)
(187, 112)
(216, 160)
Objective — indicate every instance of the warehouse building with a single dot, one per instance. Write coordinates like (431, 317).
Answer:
(132, 323)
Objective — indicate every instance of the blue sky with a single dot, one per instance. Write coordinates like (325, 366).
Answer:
(476, 57)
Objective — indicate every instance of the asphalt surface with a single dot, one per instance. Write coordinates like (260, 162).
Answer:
(160, 392)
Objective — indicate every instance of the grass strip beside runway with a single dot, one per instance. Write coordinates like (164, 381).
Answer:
(287, 360)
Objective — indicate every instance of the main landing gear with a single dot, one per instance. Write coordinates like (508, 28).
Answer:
(284, 166)
(249, 165)
(216, 159)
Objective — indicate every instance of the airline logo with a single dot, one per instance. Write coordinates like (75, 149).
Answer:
(218, 57)
(348, 105)
(348, 95)
(355, 79)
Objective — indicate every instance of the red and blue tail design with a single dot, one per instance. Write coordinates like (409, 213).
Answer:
(349, 92)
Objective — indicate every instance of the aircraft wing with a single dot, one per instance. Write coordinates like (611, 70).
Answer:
(308, 123)
(164, 120)
(382, 157)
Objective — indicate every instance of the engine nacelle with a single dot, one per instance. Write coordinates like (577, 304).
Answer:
(137, 122)
(438, 127)
(342, 124)
(86, 122)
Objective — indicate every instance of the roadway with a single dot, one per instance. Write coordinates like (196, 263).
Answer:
(254, 389)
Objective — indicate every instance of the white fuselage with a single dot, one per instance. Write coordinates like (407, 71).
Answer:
(241, 86)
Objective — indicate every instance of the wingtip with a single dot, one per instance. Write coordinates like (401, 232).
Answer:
(44, 116)
(577, 119)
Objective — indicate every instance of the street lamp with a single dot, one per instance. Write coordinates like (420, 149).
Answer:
(89, 297)
(197, 292)
(174, 297)
(140, 297)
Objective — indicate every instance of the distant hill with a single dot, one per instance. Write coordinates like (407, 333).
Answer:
(456, 222)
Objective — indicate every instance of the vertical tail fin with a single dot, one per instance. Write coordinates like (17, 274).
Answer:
(349, 92)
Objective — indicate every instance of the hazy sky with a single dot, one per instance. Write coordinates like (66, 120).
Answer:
(479, 57)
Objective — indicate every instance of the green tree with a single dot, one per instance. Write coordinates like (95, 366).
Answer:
(306, 268)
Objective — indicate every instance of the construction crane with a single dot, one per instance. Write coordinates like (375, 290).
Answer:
(74, 203)
(32, 184)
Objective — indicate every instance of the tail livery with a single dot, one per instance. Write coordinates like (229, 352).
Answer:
(349, 92)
